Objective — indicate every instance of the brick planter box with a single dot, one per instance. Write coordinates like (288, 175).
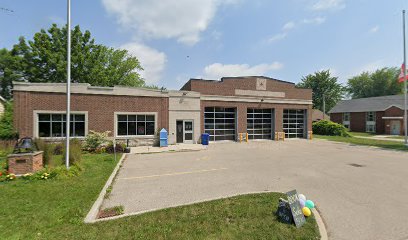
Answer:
(22, 163)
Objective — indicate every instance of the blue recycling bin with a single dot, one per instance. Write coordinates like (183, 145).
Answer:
(163, 138)
(205, 138)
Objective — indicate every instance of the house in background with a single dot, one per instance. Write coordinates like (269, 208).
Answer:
(2, 103)
(318, 115)
(379, 115)
(260, 106)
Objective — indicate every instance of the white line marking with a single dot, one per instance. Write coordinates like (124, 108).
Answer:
(175, 174)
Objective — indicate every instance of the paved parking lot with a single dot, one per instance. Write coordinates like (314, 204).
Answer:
(361, 192)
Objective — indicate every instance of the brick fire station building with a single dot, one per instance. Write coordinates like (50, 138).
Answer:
(260, 106)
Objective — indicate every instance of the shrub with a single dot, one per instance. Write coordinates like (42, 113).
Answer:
(325, 127)
(75, 152)
(59, 149)
(120, 148)
(7, 130)
(48, 150)
(95, 139)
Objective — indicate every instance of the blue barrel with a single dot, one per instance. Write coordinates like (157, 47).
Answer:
(205, 138)
(163, 138)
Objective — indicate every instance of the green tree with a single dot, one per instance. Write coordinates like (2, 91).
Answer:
(9, 72)
(44, 59)
(382, 82)
(322, 83)
(7, 130)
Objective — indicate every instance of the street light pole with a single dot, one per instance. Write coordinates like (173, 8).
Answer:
(68, 114)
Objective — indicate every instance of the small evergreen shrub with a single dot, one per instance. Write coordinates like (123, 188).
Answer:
(325, 127)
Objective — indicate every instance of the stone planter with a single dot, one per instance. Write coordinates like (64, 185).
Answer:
(22, 163)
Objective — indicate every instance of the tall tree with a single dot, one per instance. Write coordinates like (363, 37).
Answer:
(9, 72)
(381, 82)
(322, 83)
(44, 59)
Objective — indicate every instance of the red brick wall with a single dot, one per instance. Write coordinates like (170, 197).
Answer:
(358, 121)
(25, 163)
(379, 123)
(228, 85)
(337, 118)
(100, 108)
(242, 112)
(393, 112)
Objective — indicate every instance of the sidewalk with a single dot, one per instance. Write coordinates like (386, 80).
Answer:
(171, 148)
(381, 137)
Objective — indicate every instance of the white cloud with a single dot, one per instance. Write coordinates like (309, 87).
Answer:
(322, 5)
(218, 70)
(183, 20)
(277, 37)
(151, 60)
(288, 26)
(374, 29)
(316, 20)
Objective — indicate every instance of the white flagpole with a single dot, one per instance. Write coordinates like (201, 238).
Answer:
(68, 115)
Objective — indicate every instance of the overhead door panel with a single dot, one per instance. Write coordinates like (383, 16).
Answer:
(259, 123)
(220, 123)
(294, 122)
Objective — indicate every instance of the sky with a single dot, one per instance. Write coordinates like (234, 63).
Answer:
(176, 40)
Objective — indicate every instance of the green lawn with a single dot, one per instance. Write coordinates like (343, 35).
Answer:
(55, 209)
(365, 141)
(362, 134)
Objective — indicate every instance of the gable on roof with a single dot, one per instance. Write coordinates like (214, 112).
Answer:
(372, 104)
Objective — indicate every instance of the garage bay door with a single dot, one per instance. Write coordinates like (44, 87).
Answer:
(219, 123)
(259, 123)
(294, 122)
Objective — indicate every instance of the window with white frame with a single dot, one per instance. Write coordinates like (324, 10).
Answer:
(346, 120)
(370, 122)
(54, 125)
(135, 124)
(370, 116)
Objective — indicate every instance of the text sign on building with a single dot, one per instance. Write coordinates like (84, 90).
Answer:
(294, 204)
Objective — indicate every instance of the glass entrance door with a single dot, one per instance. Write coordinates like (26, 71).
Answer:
(188, 131)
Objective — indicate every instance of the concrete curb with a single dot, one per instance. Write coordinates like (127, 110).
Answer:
(319, 220)
(320, 224)
(93, 213)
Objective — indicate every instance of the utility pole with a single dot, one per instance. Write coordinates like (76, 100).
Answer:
(405, 81)
(324, 106)
(68, 115)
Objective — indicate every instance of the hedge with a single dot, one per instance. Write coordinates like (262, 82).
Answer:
(325, 127)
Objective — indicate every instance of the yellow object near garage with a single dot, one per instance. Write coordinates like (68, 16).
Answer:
(243, 137)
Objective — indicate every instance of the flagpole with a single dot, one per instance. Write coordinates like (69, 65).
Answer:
(68, 115)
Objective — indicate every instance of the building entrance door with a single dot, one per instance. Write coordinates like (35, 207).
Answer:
(184, 131)
(395, 127)
(179, 131)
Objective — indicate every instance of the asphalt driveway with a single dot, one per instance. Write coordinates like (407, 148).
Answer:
(361, 192)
